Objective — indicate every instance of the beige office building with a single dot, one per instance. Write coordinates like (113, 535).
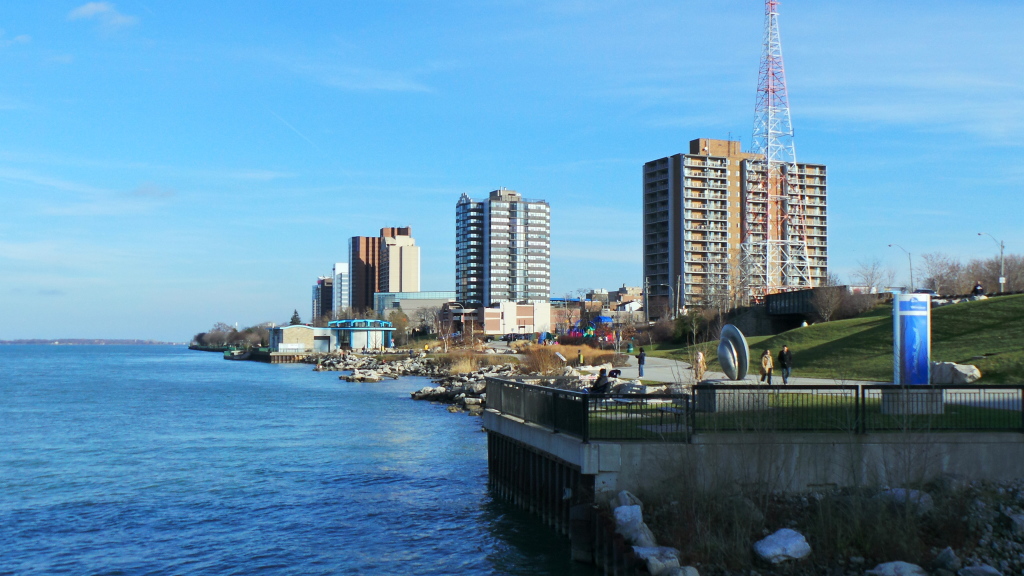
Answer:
(695, 225)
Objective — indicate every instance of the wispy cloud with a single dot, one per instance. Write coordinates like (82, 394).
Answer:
(105, 13)
(19, 39)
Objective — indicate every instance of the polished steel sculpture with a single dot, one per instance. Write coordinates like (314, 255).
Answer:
(733, 353)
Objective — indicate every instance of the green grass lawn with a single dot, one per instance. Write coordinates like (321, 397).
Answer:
(782, 412)
(986, 333)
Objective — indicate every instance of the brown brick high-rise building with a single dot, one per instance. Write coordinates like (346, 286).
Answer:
(695, 225)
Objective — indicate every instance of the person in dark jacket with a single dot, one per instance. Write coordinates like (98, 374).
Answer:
(640, 358)
(602, 385)
(785, 363)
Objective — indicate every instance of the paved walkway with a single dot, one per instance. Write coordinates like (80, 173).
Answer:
(668, 370)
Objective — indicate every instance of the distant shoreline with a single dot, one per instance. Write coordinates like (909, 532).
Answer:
(87, 342)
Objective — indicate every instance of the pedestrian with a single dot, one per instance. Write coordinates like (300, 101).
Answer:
(766, 366)
(785, 363)
(978, 289)
(640, 358)
(699, 367)
(579, 357)
(602, 384)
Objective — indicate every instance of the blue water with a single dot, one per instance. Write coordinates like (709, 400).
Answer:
(160, 460)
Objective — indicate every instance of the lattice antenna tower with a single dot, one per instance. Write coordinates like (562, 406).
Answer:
(774, 249)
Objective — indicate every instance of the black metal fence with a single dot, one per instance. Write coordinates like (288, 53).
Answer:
(854, 409)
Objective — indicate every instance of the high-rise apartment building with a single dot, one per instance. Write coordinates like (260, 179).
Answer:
(341, 286)
(695, 223)
(365, 264)
(502, 249)
(399, 264)
(323, 297)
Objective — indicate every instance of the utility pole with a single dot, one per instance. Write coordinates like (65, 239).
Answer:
(1002, 270)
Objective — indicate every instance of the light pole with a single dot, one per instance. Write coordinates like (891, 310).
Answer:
(910, 261)
(1002, 271)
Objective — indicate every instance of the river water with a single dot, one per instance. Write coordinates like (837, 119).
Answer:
(124, 460)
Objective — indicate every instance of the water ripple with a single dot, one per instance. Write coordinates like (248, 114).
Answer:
(157, 460)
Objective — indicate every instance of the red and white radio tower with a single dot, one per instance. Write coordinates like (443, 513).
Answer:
(774, 244)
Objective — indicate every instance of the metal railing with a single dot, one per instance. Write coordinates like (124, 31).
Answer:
(852, 409)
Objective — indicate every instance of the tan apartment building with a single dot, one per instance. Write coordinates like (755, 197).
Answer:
(365, 264)
(399, 264)
(695, 225)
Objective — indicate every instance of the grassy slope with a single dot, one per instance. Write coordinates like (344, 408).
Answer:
(861, 348)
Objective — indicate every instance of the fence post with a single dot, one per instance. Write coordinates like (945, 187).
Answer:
(586, 419)
(691, 416)
(554, 412)
(1021, 391)
(861, 409)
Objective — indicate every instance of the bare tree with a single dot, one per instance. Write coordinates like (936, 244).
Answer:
(946, 275)
(443, 327)
(872, 274)
(828, 299)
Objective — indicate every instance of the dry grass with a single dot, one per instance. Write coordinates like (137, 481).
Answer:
(465, 361)
(542, 360)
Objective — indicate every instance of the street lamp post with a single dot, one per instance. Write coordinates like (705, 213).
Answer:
(910, 262)
(1002, 270)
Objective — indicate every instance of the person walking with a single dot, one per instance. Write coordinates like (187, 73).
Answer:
(785, 363)
(699, 367)
(978, 289)
(767, 366)
(579, 357)
(640, 359)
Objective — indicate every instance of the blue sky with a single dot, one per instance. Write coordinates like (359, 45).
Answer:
(164, 166)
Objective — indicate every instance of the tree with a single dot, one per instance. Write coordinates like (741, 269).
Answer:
(945, 274)
(828, 299)
(873, 274)
(443, 327)
(295, 319)
(400, 322)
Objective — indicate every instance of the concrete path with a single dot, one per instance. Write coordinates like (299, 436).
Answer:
(668, 370)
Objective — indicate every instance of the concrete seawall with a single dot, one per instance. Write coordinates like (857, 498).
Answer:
(790, 461)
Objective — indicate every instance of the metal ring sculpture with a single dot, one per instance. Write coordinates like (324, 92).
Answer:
(733, 353)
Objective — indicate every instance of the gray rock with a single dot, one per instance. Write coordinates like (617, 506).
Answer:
(897, 568)
(983, 570)
(629, 521)
(947, 560)
(785, 544)
(626, 498)
(1016, 523)
(682, 571)
(660, 559)
(921, 501)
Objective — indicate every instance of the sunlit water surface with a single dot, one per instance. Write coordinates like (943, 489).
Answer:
(160, 460)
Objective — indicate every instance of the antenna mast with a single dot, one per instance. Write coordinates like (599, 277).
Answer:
(774, 244)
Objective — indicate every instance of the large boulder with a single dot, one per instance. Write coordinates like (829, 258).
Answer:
(629, 521)
(660, 559)
(785, 544)
(897, 569)
(626, 498)
(953, 373)
(946, 560)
